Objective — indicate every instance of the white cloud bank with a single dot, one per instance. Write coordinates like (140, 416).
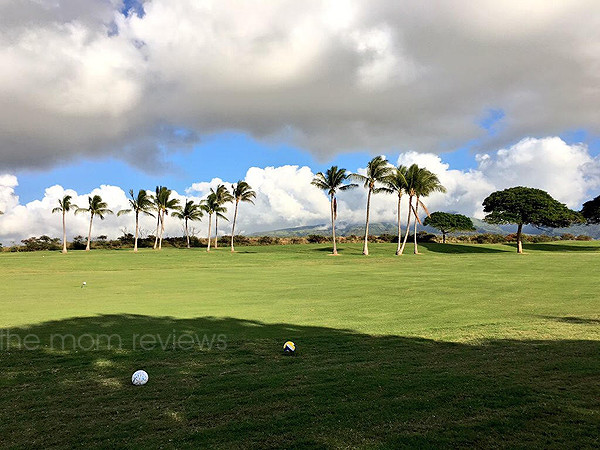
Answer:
(78, 78)
(285, 197)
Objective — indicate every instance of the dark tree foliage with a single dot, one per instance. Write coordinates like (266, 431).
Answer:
(528, 206)
(448, 223)
(42, 243)
(591, 210)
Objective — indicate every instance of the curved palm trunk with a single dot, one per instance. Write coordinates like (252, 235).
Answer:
(209, 224)
(216, 230)
(233, 225)
(87, 247)
(519, 243)
(399, 227)
(137, 228)
(416, 251)
(157, 230)
(366, 245)
(407, 225)
(187, 235)
(333, 226)
(64, 250)
(162, 231)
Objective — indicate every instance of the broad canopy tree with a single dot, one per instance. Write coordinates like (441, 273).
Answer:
(591, 210)
(527, 206)
(448, 223)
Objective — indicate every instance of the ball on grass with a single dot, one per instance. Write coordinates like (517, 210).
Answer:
(139, 378)
(289, 348)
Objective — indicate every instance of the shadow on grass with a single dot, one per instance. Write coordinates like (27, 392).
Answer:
(458, 248)
(558, 247)
(342, 389)
(573, 319)
(327, 249)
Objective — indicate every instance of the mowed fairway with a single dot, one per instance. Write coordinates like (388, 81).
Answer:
(459, 346)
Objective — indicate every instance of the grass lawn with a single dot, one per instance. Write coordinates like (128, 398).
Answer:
(462, 345)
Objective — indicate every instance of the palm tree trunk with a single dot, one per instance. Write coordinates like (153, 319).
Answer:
(162, 230)
(87, 247)
(366, 245)
(137, 227)
(64, 250)
(407, 225)
(399, 227)
(187, 235)
(157, 230)
(233, 225)
(209, 224)
(416, 250)
(216, 230)
(333, 226)
(519, 243)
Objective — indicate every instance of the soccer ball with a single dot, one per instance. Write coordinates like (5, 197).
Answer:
(139, 378)
(289, 348)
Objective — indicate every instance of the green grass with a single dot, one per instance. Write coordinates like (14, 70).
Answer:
(462, 345)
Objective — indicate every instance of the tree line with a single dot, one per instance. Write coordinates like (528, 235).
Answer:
(161, 204)
(517, 205)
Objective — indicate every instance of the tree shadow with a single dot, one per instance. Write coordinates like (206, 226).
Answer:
(327, 249)
(342, 389)
(558, 247)
(458, 248)
(573, 319)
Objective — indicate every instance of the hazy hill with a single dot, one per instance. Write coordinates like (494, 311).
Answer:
(377, 228)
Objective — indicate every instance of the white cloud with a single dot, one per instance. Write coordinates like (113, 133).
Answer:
(567, 172)
(79, 78)
(285, 197)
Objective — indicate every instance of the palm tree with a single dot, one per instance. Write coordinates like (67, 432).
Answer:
(163, 203)
(425, 184)
(157, 207)
(96, 207)
(210, 205)
(191, 211)
(142, 203)
(378, 169)
(64, 206)
(242, 192)
(223, 196)
(411, 176)
(332, 181)
(397, 183)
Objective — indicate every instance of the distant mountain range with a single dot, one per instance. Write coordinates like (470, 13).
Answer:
(378, 228)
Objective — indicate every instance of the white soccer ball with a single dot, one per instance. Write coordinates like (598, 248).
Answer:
(139, 378)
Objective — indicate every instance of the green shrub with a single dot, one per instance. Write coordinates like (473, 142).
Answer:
(316, 239)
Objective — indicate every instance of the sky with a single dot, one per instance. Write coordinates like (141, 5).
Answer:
(103, 96)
